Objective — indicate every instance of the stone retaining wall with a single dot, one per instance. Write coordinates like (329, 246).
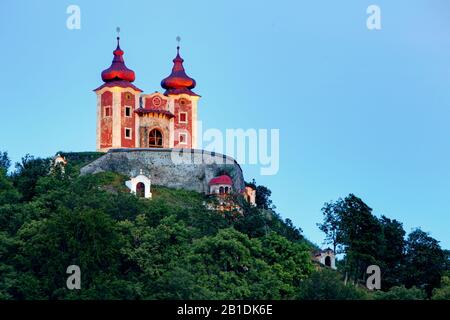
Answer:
(189, 169)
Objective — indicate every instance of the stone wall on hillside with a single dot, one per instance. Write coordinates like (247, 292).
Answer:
(189, 169)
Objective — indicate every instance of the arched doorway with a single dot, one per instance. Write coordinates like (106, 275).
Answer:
(328, 261)
(140, 189)
(155, 139)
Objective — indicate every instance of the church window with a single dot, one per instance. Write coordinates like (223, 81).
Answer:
(128, 133)
(108, 112)
(183, 138)
(127, 111)
(183, 117)
(156, 101)
(155, 139)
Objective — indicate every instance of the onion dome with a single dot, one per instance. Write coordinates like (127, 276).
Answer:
(178, 81)
(224, 179)
(118, 71)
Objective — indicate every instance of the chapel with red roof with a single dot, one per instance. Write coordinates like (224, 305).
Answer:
(128, 118)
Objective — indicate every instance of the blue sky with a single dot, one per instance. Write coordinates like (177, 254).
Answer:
(359, 111)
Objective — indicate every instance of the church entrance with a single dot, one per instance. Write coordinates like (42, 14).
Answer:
(140, 190)
(155, 139)
(328, 261)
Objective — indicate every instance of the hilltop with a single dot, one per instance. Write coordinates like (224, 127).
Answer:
(169, 247)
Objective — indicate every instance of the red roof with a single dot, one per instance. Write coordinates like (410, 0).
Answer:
(224, 179)
(178, 81)
(141, 111)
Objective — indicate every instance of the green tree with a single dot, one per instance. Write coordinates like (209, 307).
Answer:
(27, 174)
(5, 162)
(349, 223)
(331, 223)
(225, 263)
(263, 198)
(424, 261)
(291, 262)
(86, 238)
(443, 292)
(8, 194)
(392, 252)
(158, 254)
(229, 265)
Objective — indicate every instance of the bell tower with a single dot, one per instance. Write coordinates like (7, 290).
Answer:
(182, 103)
(117, 100)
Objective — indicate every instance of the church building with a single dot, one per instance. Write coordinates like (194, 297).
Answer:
(128, 118)
(145, 127)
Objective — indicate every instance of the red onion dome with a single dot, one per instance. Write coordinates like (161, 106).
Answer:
(118, 71)
(178, 81)
(224, 179)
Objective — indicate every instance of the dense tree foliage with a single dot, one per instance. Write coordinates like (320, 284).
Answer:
(173, 247)
(170, 247)
(408, 266)
(263, 194)
(401, 293)
(328, 285)
(424, 261)
(392, 252)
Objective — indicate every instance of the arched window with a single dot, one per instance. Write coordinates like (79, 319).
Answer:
(221, 190)
(226, 190)
(328, 261)
(155, 139)
(140, 189)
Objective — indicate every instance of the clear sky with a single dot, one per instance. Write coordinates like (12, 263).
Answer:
(359, 111)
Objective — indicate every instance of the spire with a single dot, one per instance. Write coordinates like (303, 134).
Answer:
(178, 81)
(118, 70)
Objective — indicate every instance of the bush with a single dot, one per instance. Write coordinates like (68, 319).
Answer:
(401, 293)
(326, 284)
(442, 293)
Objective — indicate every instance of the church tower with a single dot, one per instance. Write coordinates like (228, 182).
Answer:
(117, 99)
(182, 103)
(127, 118)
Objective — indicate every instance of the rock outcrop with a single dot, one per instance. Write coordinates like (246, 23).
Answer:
(189, 169)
